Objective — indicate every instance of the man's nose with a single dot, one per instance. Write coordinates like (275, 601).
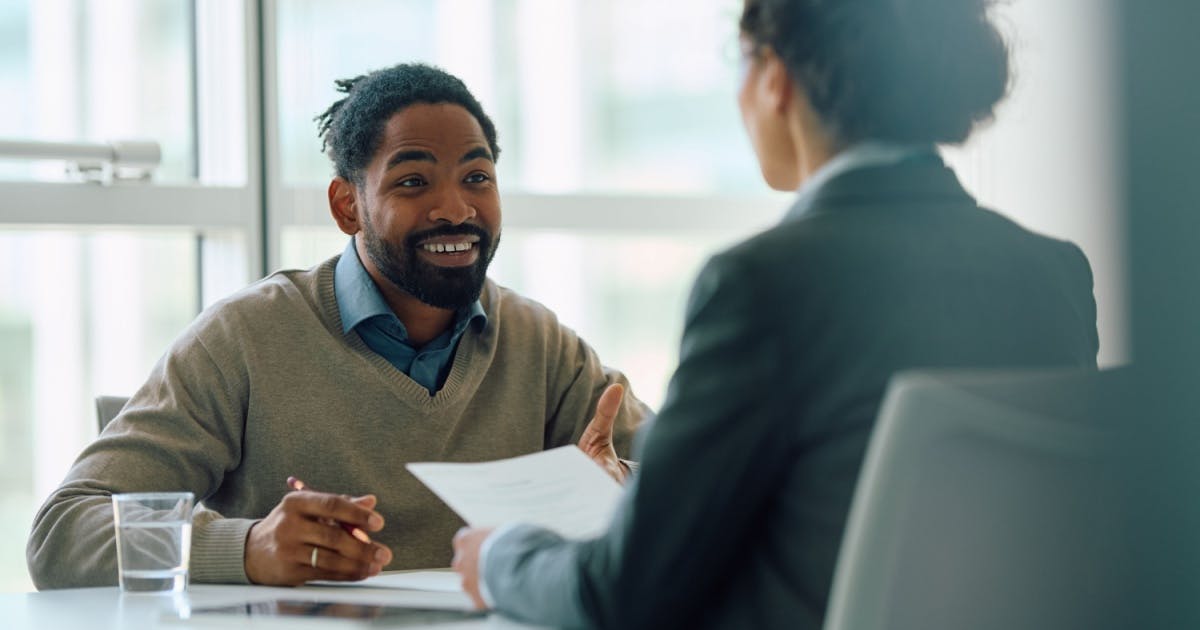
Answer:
(452, 207)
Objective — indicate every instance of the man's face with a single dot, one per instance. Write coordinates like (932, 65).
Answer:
(429, 206)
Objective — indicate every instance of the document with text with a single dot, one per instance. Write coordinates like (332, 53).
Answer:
(561, 489)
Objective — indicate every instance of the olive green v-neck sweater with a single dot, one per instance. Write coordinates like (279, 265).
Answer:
(265, 384)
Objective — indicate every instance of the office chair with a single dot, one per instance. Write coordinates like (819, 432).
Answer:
(985, 502)
(107, 408)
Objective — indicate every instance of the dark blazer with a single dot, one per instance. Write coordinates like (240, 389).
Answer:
(736, 516)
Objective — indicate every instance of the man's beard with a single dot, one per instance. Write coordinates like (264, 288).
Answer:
(441, 287)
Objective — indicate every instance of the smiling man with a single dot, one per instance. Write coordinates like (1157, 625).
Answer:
(398, 350)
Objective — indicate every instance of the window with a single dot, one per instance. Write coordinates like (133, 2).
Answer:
(591, 97)
(127, 60)
(102, 275)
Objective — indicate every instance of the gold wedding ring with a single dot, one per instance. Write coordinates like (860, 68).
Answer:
(313, 558)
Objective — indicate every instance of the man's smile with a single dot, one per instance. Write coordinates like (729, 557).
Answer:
(450, 251)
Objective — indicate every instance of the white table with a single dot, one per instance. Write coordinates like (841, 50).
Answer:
(108, 608)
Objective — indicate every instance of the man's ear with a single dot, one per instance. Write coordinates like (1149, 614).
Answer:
(775, 83)
(343, 205)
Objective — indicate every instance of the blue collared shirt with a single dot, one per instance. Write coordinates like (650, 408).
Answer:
(364, 310)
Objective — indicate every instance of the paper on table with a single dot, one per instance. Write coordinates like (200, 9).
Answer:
(442, 581)
(434, 580)
(561, 489)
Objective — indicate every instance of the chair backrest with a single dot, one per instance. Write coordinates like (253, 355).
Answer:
(107, 408)
(982, 503)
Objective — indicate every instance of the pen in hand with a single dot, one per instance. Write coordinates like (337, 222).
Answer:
(296, 484)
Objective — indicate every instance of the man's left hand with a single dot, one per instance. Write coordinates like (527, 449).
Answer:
(597, 438)
(466, 561)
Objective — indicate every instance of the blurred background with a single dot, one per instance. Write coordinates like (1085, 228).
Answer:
(623, 162)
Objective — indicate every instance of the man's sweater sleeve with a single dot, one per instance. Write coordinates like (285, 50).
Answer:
(180, 431)
(577, 380)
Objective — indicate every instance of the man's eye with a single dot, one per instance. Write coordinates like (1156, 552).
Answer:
(477, 178)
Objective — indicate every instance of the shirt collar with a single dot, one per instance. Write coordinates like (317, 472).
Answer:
(359, 300)
(472, 313)
(862, 155)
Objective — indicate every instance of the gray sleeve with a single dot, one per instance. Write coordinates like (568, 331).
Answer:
(180, 431)
(532, 575)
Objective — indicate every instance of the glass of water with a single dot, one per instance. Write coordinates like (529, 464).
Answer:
(154, 540)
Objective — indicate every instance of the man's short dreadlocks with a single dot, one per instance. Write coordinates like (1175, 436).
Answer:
(352, 128)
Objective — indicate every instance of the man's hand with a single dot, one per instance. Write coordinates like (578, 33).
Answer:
(279, 548)
(466, 561)
(597, 440)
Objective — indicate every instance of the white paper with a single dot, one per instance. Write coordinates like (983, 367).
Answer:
(561, 489)
(444, 581)
(432, 580)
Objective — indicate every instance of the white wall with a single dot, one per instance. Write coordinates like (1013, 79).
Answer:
(1050, 160)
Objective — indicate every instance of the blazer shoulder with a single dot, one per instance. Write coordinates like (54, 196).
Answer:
(1064, 251)
(783, 238)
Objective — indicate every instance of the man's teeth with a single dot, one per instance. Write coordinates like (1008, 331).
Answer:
(439, 248)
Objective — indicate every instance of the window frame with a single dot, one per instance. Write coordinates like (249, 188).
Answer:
(225, 37)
